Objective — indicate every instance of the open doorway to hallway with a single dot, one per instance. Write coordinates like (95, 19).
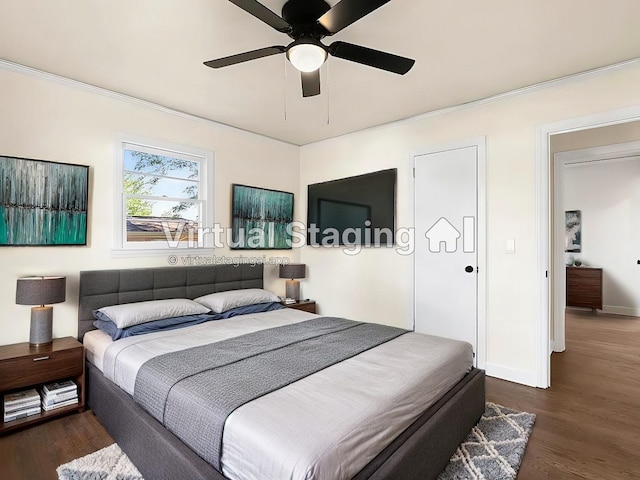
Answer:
(595, 178)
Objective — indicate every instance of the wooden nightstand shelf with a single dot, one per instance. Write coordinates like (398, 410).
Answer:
(24, 366)
(304, 305)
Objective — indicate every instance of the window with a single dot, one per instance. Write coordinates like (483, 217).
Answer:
(165, 198)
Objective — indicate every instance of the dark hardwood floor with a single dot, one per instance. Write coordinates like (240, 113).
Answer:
(587, 426)
(588, 422)
(35, 452)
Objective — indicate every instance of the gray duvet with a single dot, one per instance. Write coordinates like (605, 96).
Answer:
(193, 391)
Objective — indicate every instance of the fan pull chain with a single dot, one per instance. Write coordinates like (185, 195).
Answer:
(285, 89)
(328, 94)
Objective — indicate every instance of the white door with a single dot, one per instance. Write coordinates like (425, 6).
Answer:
(446, 241)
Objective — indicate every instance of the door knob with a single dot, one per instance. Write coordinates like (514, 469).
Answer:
(468, 269)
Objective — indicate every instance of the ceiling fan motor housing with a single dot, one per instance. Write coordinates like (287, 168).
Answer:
(303, 17)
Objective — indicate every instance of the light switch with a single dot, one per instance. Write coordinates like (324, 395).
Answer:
(511, 245)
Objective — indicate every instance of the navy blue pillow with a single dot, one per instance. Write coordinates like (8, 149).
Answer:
(255, 308)
(116, 333)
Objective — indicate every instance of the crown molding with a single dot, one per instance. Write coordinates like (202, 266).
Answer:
(17, 67)
(87, 87)
(498, 97)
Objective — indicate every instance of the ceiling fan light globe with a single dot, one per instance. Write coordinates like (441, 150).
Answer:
(306, 57)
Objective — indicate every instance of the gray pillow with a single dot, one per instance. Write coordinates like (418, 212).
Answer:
(129, 314)
(223, 301)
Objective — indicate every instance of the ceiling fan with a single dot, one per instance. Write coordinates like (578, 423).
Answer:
(307, 22)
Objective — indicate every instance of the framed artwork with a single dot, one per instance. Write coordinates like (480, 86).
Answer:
(42, 203)
(573, 231)
(260, 218)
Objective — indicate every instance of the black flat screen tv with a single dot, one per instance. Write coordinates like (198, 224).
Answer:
(353, 211)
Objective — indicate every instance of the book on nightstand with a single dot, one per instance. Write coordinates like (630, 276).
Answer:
(60, 404)
(8, 417)
(59, 394)
(21, 404)
(17, 398)
(59, 387)
(62, 397)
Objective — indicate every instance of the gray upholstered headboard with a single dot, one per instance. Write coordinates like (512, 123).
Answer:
(100, 288)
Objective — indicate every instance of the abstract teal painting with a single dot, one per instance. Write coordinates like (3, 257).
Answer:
(260, 218)
(42, 203)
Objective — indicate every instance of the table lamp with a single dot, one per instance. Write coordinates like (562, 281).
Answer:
(41, 291)
(293, 271)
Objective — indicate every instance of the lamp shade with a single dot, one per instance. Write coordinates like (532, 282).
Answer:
(40, 290)
(293, 270)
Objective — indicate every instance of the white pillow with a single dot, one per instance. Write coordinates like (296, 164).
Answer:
(223, 301)
(129, 314)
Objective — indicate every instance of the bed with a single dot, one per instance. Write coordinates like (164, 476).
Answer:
(420, 449)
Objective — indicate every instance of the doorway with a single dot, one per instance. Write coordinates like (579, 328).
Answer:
(544, 184)
(603, 179)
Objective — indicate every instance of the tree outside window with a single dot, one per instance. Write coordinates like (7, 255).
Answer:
(162, 196)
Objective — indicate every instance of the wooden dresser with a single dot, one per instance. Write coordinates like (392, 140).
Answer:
(584, 287)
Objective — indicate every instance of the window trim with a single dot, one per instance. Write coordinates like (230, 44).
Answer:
(206, 195)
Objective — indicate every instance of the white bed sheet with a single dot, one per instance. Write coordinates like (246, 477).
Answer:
(96, 343)
(326, 426)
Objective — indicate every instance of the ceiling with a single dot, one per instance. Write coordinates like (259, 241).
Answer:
(464, 50)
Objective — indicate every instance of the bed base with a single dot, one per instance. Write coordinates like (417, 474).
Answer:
(420, 452)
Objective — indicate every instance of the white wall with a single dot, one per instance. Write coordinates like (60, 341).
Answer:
(595, 137)
(608, 195)
(51, 120)
(377, 284)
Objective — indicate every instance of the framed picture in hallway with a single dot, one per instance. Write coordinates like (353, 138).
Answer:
(573, 231)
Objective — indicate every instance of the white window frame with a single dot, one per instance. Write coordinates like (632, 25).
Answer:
(206, 158)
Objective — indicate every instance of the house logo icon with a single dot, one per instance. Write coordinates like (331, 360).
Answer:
(443, 232)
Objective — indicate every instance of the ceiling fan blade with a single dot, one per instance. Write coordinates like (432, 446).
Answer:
(346, 12)
(373, 58)
(263, 13)
(245, 57)
(310, 83)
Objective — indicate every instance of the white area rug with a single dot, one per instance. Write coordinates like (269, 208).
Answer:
(110, 463)
(492, 451)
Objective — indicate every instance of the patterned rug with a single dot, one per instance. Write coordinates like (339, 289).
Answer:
(494, 448)
(492, 451)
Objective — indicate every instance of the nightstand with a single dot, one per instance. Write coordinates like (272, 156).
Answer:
(24, 366)
(304, 305)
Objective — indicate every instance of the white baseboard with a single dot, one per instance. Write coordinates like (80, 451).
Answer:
(556, 347)
(615, 310)
(511, 374)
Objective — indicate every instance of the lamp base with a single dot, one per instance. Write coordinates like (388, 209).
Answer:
(41, 332)
(292, 289)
